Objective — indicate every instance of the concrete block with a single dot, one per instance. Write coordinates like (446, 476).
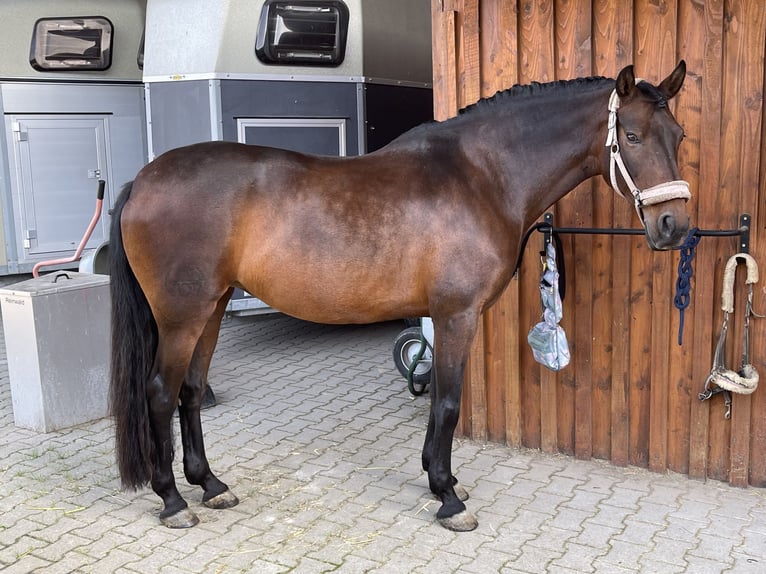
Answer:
(56, 331)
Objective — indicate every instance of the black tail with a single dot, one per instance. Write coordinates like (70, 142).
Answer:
(134, 344)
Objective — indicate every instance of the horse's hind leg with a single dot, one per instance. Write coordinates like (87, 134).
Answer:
(196, 467)
(176, 345)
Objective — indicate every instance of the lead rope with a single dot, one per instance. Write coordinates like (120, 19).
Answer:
(683, 283)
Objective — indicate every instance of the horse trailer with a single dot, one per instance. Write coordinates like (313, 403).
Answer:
(93, 89)
(71, 96)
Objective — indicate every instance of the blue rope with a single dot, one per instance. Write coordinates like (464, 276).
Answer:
(685, 272)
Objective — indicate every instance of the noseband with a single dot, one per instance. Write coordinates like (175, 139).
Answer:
(678, 189)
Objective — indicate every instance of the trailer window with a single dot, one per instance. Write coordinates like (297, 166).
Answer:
(302, 32)
(60, 44)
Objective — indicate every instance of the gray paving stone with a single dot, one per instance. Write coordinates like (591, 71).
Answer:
(597, 535)
(61, 548)
(21, 549)
(563, 485)
(663, 567)
(114, 561)
(747, 563)
(536, 559)
(556, 569)
(546, 502)
(753, 543)
(684, 530)
(700, 565)
(624, 554)
(524, 487)
(638, 532)
(551, 538)
(26, 564)
(577, 558)
(669, 550)
(690, 509)
(570, 519)
(586, 498)
(714, 548)
(317, 435)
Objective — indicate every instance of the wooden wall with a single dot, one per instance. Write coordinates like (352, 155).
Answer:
(630, 392)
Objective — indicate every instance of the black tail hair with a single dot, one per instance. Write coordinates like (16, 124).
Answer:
(134, 345)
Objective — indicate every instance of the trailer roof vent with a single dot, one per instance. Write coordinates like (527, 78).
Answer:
(302, 32)
(60, 44)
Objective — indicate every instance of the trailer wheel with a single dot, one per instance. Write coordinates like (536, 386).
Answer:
(406, 348)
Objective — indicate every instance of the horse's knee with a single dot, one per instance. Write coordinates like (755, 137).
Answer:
(448, 411)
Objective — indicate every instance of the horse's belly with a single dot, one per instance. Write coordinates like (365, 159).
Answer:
(335, 295)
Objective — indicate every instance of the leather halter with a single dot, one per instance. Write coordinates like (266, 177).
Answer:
(677, 189)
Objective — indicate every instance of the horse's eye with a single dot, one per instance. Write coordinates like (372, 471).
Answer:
(631, 137)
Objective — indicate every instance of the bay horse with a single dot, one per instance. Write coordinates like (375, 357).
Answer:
(429, 225)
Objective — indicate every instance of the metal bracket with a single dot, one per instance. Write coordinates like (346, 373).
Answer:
(744, 233)
(547, 231)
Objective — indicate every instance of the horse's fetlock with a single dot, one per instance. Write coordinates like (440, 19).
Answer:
(450, 507)
(195, 472)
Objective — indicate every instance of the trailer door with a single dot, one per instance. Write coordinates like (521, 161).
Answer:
(59, 159)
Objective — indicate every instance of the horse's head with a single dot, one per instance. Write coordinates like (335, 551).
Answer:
(642, 154)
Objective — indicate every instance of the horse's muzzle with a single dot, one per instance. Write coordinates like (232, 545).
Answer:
(668, 230)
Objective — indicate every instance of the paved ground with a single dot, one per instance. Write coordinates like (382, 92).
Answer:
(317, 435)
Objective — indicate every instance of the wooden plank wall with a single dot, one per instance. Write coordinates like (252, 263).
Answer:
(630, 393)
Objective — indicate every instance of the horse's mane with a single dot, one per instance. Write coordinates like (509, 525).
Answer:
(535, 89)
(518, 92)
(523, 92)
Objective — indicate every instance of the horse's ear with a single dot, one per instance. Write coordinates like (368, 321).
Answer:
(670, 85)
(626, 81)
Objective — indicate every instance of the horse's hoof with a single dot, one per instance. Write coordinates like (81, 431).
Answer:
(224, 500)
(184, 518)
(460, 522)
(460, 492)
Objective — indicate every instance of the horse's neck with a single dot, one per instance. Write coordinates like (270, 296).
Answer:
(540, 151)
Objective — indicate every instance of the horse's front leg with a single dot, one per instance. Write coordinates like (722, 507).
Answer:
(461, 492)
(451, 347)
